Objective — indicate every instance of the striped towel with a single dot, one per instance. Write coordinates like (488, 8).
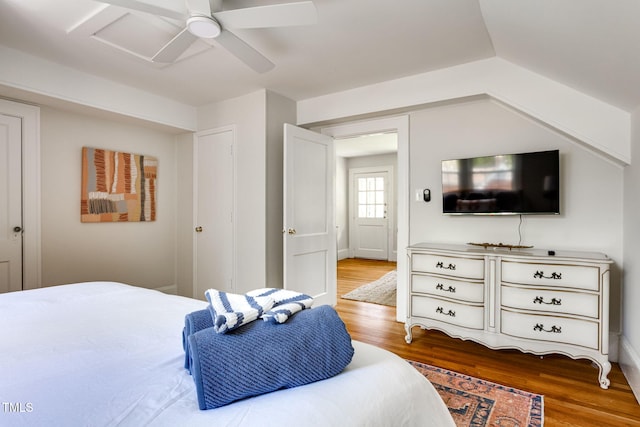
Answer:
(230, 311)
(286, 303)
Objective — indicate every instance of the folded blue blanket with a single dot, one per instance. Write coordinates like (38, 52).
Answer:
(262, 357)
(194, 322)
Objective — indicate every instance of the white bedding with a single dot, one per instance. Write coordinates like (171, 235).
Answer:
(108, 354)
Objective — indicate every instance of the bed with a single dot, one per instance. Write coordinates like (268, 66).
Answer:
(110, 354)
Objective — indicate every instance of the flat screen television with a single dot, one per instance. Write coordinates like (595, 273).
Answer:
(506, 184)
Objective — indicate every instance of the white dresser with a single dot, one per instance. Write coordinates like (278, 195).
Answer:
(523, 299)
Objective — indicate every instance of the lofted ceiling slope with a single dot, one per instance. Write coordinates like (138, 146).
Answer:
(589, 45)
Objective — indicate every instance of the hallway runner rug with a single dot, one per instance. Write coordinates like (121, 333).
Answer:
(475, 402)
(381, 291)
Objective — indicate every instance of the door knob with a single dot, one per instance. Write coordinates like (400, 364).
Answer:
(198, 229)
(292, 231)
(17, 229)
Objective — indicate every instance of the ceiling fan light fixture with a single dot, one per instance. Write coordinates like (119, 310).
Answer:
(203, 27)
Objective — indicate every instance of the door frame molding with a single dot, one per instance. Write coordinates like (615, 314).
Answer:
(391, 206)
(31, 208)
(399, 124)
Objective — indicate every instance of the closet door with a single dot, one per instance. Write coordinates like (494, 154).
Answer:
(10, 204)
(214, 187)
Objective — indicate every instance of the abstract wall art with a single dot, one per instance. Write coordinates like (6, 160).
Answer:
(117, 186)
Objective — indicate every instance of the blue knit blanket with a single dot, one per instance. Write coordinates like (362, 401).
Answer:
(262, 357)
(194, 322)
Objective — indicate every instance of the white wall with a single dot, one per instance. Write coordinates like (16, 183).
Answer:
(259, 118)
(280, 110)
(630, 345)
(248, 113)
(587, 119)
(184, 214)
(591, 186)
(342, 207)
(138, 253)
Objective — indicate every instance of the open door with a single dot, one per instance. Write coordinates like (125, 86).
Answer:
(309, 241)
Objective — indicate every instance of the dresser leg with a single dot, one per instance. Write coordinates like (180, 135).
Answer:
(605, 368)
(408, 338)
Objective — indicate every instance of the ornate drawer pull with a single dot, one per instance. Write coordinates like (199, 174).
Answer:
(554, 329)
(440, 264)
(554, 301)
(440, 287)
(540, 275)
(449, 313)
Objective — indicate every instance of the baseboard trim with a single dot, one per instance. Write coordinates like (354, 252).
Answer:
(629, 362)
(343, 254)
(169, 289)
(614, 346)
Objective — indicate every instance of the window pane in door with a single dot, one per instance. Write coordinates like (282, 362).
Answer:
(371, 197)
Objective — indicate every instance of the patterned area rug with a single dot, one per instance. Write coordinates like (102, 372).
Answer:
(381, 291)
(475, 402)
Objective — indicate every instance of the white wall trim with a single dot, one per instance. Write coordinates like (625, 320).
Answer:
(41, 77)
(343, 254)
(31, 223)
(589, 120)
(629, 362)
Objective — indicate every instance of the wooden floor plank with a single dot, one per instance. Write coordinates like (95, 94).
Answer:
(572, 396)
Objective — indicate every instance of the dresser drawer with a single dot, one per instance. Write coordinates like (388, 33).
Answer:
(550, 328)
(450, 288)
(566, 276)
(581, 304)
(459, 314)
(470, 268)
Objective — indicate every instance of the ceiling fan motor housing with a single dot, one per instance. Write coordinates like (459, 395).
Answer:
(203, 26)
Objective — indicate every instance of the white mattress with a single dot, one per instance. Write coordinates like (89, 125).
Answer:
(107, 354)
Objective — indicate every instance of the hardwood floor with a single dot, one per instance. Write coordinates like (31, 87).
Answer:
(572, 396)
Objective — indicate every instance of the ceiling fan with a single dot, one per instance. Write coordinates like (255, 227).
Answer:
(207, 19)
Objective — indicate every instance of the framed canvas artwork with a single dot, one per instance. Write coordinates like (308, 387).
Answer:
(117, 186)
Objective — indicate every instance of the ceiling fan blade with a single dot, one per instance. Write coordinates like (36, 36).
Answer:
(237, 47)
(143, 6)
(172, 50)
(277, 15)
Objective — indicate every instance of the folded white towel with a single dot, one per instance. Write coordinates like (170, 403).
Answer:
(286, 303)
(230, 311)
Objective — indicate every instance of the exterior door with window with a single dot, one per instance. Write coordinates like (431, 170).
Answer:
(370, 218)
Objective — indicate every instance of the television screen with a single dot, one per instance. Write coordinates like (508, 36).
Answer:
(508, 184)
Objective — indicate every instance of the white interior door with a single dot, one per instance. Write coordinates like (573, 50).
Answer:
(369, 214)
(309, 225)
(214, 247)
(10, 203)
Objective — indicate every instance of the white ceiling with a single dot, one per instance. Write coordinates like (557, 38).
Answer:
(590, 45)
(367, 145)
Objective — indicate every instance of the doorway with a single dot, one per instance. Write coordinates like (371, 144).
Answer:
(400, 126)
